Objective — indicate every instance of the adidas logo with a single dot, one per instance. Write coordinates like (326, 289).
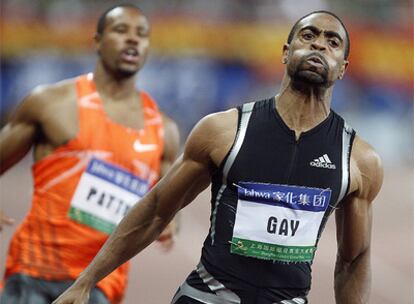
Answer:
(323, 162)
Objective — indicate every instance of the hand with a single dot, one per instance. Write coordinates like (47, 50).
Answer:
(74, 295)
(5, 220)
(166, 238)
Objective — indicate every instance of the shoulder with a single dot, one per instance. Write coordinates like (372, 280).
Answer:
(366, 169)
(220, 122)
(213, 136)
(62, 89)
(42, 96)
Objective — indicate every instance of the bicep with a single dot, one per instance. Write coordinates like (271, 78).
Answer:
(354, 217)
(191, 172)
(353, 222)
(16, 139)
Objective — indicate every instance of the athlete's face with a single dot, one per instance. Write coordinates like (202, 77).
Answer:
(316, 53)
(123, 45)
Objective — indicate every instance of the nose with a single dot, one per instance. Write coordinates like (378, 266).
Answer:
(132, 38)
(318, 45)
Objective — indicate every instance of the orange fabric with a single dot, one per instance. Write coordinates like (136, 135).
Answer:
(48, 244)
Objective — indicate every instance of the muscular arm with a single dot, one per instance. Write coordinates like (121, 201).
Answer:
(18, 135)
(16, 139)
(31, 122)
(189, 175)
(354, 221)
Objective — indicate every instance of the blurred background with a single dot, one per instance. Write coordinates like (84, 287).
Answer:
(208, 56)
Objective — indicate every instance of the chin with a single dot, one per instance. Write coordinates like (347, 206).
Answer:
(311, 78)
(126, 73)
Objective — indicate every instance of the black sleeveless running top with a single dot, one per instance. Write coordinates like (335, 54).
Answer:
(266, 152)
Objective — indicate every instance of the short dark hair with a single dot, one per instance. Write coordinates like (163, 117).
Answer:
(295, 27)
(100, 26)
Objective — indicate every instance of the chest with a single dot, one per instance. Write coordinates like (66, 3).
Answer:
(62, 122)
(128, 114)
(59, 123)
(274, 157)
(123, 137)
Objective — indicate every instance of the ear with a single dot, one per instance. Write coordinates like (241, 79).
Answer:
(285, 53)
(97, 38)
(343, 69)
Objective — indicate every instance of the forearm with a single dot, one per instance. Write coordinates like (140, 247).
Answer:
(137, 230)
(15, 142)
(353, 280)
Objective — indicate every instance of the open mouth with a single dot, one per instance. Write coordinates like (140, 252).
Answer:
(131, 51)
(130, 55)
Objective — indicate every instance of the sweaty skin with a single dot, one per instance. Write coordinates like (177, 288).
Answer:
(303, 102)
(48, 117)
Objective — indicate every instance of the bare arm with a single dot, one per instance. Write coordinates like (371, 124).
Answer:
(31, 124)
(354, 222)
(16, 139)
(18, 135)
(189, 175)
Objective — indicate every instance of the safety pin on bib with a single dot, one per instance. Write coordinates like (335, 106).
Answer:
(239, 244)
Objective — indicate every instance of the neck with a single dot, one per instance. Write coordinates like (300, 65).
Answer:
(111, 87)
(302, 109)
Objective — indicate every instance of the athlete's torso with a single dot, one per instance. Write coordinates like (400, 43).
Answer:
(287, 189)
(59, 117)
(83, 187)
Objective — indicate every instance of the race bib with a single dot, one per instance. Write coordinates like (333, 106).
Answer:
(278, 222)
(104, 194)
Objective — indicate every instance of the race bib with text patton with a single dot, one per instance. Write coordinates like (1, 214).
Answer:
(104, 194)
(278, 222)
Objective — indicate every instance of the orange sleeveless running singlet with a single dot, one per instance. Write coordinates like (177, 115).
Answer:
(82, 190)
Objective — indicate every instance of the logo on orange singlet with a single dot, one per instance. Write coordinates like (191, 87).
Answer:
(140, 147)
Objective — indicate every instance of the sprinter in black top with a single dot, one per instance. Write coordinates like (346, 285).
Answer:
(282, 170)
(278, 168)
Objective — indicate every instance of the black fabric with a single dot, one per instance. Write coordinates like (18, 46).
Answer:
(271, 154)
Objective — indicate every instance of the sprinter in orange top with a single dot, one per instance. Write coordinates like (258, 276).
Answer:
(99, 146)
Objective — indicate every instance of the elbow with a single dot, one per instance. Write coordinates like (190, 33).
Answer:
(349, 259)
(162, 215)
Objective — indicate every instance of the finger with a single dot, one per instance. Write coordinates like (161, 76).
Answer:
(166, 241)
(164, 237)
(7, 220)
(167, 245)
